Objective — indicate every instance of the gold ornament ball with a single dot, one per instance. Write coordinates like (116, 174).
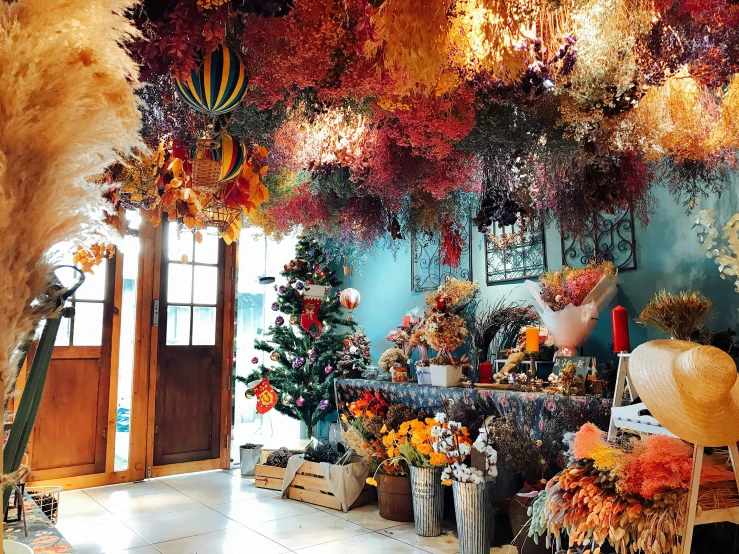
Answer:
(249, 394)
(294, 319)
(274, 356)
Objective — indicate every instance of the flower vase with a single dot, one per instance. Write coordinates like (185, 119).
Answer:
(471, 512)
(445, 375)
(428, 500)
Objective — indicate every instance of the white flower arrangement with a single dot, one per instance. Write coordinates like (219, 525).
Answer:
(451, 441)
(726, 255)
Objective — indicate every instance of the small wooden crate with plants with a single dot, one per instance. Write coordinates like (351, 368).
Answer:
(309, 485)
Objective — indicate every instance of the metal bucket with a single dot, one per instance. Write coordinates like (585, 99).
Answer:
(249, 459)
(428, 500)
(471, 511)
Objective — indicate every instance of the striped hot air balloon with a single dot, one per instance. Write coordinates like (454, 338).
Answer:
(218, 85)
(350, 298)
(231, 152)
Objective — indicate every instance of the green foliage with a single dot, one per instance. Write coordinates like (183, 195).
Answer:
(291, 341)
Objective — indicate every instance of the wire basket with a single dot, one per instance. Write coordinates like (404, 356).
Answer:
(218, 215)
(205, 172)
(47, 498)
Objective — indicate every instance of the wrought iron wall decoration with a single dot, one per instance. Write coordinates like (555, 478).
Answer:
(610, 237)
(427, 272)
(512, 253)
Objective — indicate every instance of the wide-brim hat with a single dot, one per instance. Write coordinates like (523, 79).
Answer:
(691, 389)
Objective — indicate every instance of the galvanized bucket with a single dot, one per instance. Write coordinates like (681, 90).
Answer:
(428, 500)
(470, 509)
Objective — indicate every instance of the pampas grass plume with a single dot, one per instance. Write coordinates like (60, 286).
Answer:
(67, 111)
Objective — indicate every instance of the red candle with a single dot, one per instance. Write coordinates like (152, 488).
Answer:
(486, 372)
(406, 321)
(620, 326)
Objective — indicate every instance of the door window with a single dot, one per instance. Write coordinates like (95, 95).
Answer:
(192, 288)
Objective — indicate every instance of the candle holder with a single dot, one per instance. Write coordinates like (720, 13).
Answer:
(531, 372)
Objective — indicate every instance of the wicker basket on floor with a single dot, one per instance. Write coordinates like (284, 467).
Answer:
(47, 498)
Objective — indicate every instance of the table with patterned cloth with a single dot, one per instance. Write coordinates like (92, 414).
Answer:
(42, 537)
(530, 410)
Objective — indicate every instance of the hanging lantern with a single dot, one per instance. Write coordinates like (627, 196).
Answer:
(350, 298)
(231, 153)
(219, 215)
(218, 85)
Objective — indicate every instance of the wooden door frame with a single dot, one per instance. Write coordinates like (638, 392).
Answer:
(224, 461)
(139, 399)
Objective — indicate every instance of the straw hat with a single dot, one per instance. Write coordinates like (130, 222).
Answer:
(692, 390)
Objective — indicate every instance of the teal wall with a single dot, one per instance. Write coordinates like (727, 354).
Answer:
(668, 256)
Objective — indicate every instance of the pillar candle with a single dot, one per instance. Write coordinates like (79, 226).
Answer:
(532, 339)
(406, 321)
(620, 326)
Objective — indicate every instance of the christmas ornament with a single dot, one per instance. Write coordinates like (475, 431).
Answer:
(313, 357)
(274, 306)
(316, 267)
(279, 321)
(282, 289)
(329, 369)
(311, 305)
(266, 395)
(310, 252)
(350, 298)
(299, 285)
(298, 362)
(338, 293)
(248, 394)
(300, 401)
(287, 399)
(323, 404)
(274, 356)
(309, 282)
(215, 96)
(294, 319)
(255, 360)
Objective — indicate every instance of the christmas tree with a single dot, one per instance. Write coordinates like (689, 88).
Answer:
(304, 348)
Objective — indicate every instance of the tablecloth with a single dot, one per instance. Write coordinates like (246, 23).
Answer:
(43, 537)
(529, 410)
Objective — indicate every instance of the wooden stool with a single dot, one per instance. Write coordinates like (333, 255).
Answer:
(622, 382)
(707, 516)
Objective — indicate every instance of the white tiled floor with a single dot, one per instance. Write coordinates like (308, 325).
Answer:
(218, 512)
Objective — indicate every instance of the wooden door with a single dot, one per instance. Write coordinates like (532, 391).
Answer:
(188, 397)
(70, 434)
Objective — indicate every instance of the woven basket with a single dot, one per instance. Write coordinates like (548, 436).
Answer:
(205, 172)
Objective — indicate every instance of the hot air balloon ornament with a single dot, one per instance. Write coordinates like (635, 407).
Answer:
(218, 85)
(217, 161)
(231, 153)
(350, 299)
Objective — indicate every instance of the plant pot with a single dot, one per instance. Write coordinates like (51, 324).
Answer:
(471, 511)
(249, 458)
(394, 497)
(428, 500)
(445, 375)
(399, 374)
(518, 514)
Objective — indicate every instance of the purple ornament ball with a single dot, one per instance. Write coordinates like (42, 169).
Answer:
(323, 404)
(299, 285)
(255, 360)
(313, 357)
(300, 401)
(329, 369)
(274, 306)
(282, 289)
(279, 321)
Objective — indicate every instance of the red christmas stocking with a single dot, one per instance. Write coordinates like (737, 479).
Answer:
(266, 395)
(309, 316)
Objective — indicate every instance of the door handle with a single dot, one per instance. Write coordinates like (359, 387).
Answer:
(116, 311)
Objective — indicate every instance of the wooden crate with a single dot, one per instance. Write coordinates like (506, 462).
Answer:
(310, 486)
(269, 477)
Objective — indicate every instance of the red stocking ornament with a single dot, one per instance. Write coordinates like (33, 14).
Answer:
(266, 395)
(311, 304)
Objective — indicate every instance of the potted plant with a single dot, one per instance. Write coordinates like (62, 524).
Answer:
(395, 363)
(445, 329)
(471, 497)
(412, 443)
(390, 475)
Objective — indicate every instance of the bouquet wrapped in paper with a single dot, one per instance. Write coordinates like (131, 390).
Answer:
(570, 299)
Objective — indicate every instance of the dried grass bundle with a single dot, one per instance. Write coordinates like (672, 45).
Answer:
(68, 110)
(679, 315)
